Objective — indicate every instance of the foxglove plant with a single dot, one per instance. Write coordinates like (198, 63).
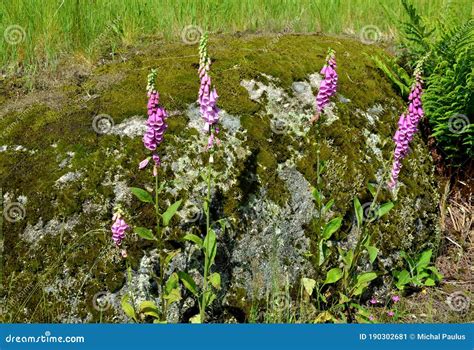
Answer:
(156, 124)
(207, 99)
(153, 137)
(328, 86)
(407, 127)
(327, 89)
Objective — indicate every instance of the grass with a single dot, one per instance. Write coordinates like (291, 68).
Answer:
(48, 29)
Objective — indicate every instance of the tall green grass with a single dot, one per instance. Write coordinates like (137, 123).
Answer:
(55, 27)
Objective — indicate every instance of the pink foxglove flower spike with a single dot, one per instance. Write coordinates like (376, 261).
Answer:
(328, 86)
(118, 228)
(208, 96)
(156, 124)
(407, 127)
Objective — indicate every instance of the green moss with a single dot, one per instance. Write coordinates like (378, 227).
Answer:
(287, 58)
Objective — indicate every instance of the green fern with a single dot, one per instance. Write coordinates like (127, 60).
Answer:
(449, 105)
(397, 74)
(447, 52)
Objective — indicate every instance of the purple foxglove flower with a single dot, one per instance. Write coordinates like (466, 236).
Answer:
(407, 127)
(373, 301)
(118, 230)
(328, 86)
(143, 163)
(391, 313)
(395, 298)
(156, 124)
(208, 96)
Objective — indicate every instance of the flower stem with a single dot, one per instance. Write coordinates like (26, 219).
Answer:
(160, 247)
(318, 202)
(206, 248)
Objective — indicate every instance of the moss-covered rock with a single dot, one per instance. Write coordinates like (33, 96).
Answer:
(67, 165)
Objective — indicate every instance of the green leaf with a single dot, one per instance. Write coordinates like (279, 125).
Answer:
(210, 246)
(215, 280)
(358, 289)
(317, 196)
(210, 297)
(149, 308)
(144, 233)
(331, 227)
(373, 251)
(424, 260)
(142, 195)
(147, 304)
(347, 257)
(128, 308)
(172, 283)
(173, 296)
(384, 209)
(403, 278)
(366, 277)
(328, 206)
(334, 275)
(343, 298)
(359, 212)
(363, 281)
(437, 276)
(308, 284)
(372, 189)
(324, 252)
(429, 282)
(169, 213)
(188, 282)
(422, 275)
(193, 238)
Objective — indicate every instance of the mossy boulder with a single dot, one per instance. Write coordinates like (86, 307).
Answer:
(66, 164)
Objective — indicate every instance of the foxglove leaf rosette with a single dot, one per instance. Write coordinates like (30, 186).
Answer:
(328, 86)
(407, 127)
